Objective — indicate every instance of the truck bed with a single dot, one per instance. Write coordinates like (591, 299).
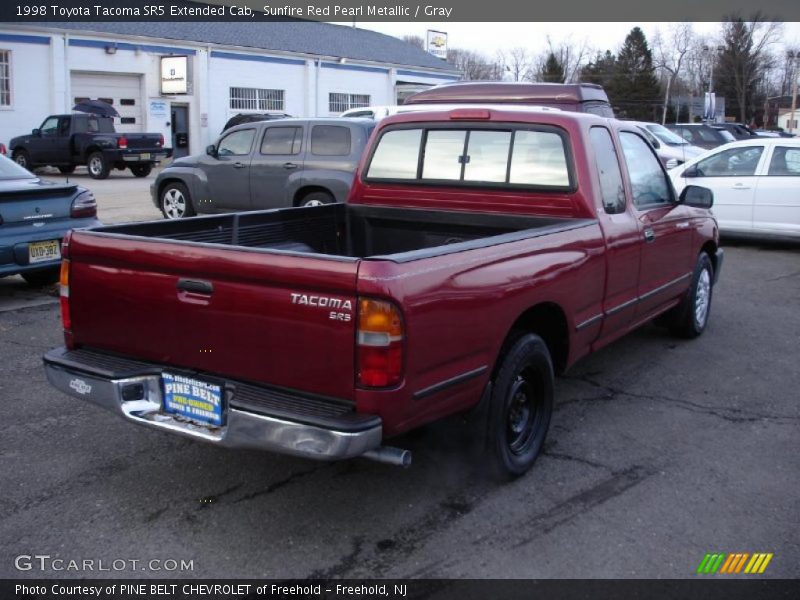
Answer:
(343, 231)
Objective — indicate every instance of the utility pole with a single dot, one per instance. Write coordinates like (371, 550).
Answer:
(792, 55)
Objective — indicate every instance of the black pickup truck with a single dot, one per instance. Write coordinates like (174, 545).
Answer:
(66, 141)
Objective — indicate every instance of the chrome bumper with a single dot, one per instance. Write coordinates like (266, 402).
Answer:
(243, 429)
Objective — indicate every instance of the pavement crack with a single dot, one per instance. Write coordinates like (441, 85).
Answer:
(345, 565)
(787, 276)
(281, 483)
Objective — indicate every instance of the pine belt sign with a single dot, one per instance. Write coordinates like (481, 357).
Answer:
(436, 43)
(174, 75)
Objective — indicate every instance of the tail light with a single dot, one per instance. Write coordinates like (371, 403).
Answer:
(379, 344)
(122, 142)
(66, 317)
(84, 205)
(3, 150)
(160, 142)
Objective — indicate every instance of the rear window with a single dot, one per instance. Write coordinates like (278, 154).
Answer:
(330, 140)
(11, 170)
(473, 156)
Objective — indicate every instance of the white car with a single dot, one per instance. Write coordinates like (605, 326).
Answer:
(756, 185)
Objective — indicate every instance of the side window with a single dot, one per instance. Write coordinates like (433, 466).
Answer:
(736, 162)
(282, 140)
(649, 184)
(50, 126)
(330, 140)
(237, 143)
(785, 162)
(685, 134)
(92, 125)
(605, 156)
(397, 155)
(63, 126)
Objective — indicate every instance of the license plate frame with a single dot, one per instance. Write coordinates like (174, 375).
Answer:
(52, 251)
(197, 399)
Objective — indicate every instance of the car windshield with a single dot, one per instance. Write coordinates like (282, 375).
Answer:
(666, 136)
(11, 170)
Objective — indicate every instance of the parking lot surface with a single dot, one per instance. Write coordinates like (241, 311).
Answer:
(660, 450)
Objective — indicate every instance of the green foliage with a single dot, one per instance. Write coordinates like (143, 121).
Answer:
(552, 70)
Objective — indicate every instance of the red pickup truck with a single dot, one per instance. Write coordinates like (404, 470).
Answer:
(480, 251)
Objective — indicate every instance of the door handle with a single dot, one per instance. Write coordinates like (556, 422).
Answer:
(238, 165)
(741, 186)
(289, 165)
(649, 235)
(195, 286)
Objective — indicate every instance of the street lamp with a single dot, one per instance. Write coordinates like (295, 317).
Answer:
(795, 56)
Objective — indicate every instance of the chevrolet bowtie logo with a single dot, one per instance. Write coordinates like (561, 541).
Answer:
(735, 563)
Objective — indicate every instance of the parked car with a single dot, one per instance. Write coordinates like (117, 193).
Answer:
(671, 149)
(66, 141)
(703, 135)
(35, 214)
(265, 164)
(479, 252)
(574, 97)
(241, 118)
(756, 185)
(738, 130)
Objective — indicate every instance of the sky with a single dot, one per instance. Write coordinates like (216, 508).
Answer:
(491, 37)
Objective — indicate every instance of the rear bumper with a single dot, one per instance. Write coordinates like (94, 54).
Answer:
(256, 417)
(16, 238)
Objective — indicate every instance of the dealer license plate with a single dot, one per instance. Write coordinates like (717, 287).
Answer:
(42, 251)
(192, 398)
(145, 156)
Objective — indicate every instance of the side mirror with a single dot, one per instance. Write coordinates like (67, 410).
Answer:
(696, 196)
(692, 171)
(211, 150)
(37, 132)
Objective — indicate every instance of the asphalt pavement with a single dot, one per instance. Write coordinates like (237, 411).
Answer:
(660, 451)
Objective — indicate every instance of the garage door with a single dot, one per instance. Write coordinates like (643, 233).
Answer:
(123, 92)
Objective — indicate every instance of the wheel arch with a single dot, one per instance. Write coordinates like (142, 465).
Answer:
(710, 248)
(305, 190)
(549, 322)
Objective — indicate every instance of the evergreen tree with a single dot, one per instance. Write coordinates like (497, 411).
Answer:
(634, 87)
(601, 70)
(552, 70)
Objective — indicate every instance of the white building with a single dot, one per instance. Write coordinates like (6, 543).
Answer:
(305, 69)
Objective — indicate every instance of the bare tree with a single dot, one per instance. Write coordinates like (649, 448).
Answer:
(517, 63)
(571, 57)
(670, 54)
(414, 40)
(474, 66)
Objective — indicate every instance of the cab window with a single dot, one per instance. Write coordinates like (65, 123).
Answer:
(649, 185)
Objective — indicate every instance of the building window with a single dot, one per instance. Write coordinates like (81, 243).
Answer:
(256, 99)
(5, 78)
(338, 103)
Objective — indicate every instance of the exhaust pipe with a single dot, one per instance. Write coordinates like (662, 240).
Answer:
(390, 455)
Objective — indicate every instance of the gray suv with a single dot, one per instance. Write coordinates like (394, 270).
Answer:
(268, 164)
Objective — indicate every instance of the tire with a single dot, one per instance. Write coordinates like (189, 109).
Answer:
(316, 199)
(67, 170)
(141, 170)
(41, 278)
(520, 407)
(23, 159)
(98, 166)
(175, 202)
(690, 317)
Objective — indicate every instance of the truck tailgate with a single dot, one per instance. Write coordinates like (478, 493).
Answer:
(246, 314)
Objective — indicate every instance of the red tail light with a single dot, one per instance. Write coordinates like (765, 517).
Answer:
(379, 345)
(3, 150)
(122, 142)
(84, 205)
(160, 142)
(66, 317)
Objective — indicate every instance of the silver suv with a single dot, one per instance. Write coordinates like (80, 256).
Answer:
(268, 164)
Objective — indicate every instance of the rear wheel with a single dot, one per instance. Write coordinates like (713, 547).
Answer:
(23, 159)
(520, 407)
(141, 170)
(98, 166)
(67, 170)
(316, 199)
(41, 278)
(175, 201)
